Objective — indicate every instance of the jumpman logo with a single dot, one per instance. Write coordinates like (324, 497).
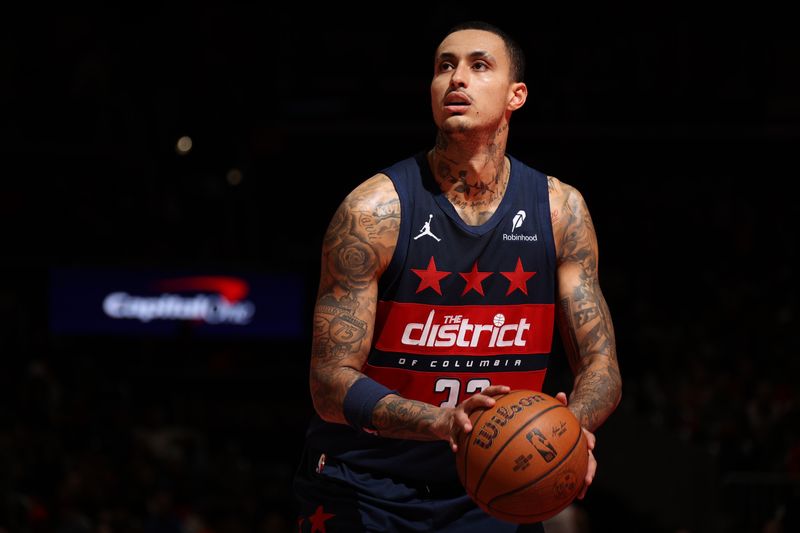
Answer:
(426, 230)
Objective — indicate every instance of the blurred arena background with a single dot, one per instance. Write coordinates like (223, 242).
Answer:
(199, 152)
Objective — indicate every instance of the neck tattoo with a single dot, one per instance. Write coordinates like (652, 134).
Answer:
(463, 191)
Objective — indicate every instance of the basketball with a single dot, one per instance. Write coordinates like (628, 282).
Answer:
(525, 459)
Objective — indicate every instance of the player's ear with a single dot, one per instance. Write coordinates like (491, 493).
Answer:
(518, 94)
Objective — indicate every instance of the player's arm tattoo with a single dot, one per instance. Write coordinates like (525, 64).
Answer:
(583, 317)
(356, 248)
(402, 418)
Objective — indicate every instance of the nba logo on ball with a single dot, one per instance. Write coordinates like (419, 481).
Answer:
(499, 319)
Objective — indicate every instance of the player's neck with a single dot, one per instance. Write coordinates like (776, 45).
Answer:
(471, 171)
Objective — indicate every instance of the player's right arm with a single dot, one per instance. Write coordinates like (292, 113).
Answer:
(357, 248)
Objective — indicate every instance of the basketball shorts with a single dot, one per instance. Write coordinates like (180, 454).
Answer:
(333, 497)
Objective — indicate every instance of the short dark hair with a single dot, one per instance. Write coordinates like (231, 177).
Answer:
(515, 52)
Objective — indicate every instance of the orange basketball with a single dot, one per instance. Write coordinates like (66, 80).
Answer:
(525, 459)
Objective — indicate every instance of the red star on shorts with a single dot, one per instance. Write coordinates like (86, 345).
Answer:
(518, 279)
(474, 279)
(430, 277)
(318, 520)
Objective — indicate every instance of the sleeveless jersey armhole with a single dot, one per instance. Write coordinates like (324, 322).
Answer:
(543, 195)
(394, 269)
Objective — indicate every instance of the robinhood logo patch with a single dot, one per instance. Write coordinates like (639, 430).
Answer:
(519, 218)
(516, 223)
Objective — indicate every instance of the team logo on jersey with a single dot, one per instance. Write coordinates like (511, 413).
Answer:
(426, 230)
(516, 223)
(456, 330)
(465, 329)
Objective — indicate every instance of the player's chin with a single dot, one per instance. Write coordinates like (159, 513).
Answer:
(456, 125)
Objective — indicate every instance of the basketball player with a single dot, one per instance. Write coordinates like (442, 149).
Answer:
(438, 291)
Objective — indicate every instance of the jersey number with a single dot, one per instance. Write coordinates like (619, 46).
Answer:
(453, 388)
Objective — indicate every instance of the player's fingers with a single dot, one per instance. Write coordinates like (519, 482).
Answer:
(562, 397)
(590, 472)
(479, 401)
(590, 438)
(592, 469)
(461, 421)
(494, 390)
(461, 424)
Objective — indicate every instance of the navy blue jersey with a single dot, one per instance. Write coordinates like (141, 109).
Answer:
(460, 308)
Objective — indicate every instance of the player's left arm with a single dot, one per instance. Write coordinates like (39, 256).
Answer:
(582, 315)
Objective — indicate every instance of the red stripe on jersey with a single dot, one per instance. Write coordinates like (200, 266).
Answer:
(450, 388)
(464, 329)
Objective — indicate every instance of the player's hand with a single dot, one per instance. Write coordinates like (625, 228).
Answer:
(460, 417)
(590, 441)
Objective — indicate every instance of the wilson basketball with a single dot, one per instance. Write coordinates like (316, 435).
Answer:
(525, 459)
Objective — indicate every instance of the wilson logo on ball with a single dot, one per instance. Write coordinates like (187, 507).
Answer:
(491, 428)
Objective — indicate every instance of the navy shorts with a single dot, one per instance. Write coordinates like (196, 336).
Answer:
(340, 498)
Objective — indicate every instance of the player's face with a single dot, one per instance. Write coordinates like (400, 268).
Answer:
(471, 87)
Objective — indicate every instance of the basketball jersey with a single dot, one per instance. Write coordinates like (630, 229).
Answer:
(459, 308)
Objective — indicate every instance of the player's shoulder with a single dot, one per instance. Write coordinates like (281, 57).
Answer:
(372, 193)
(568, 209)
(562, 193)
